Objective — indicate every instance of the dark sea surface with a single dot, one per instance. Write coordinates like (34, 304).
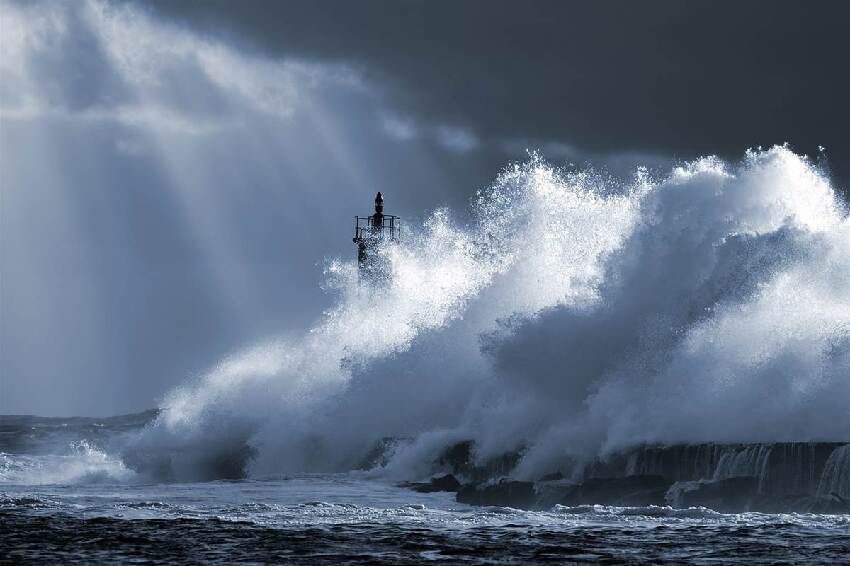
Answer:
(354, 519)
(64, 498)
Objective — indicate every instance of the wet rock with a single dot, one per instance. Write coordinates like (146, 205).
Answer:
(730, 495)
(460, 460)
(783, 468)
(552, 492)
(554, 476)
(381, 452)
(832, 505)
(442, 483)
(643, 498)
(826, 505)
(629, 491)
(506, 493)
(457, 457)
(741, 494)
(807, 477)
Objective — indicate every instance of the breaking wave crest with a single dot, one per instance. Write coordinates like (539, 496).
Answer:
(572, 316)
(81, 463)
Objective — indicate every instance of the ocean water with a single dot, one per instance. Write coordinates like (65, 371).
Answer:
(64, 499)
(348, 518)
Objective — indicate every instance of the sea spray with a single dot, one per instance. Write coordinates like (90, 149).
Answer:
(836, 474)
(80, 463)
(274, 396)
(573, 316)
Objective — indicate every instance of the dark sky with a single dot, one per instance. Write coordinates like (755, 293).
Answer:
(671, 77)
(175, 174)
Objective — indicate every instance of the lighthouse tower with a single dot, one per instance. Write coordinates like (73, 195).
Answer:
(370, 232)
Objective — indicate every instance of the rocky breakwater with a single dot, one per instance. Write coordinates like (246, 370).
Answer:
(810, 477)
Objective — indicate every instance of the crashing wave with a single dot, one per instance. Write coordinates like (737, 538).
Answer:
(573, 316)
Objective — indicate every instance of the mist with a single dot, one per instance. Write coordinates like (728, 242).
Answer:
(573, 316)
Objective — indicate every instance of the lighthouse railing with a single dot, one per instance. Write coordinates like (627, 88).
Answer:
(391, 228)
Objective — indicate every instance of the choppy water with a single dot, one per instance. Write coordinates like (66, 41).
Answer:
(350, 518)
(64, 497)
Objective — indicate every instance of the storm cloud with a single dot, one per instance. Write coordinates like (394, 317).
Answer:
(659, 77)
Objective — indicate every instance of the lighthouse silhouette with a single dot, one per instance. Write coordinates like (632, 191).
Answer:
(370, 233)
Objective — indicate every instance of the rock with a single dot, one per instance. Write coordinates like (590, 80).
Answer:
(629, 491)
(552, 492)
(730, 495)
(457, 457)
(443, 483)
(554, 476)
(506, 493)
(802, 504)
(830, 506)
(643, 498)
(806, 477)
(783, 468)
(460, 460)
(741, 494)
(381, 452)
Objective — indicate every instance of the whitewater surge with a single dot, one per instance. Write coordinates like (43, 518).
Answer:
(82, 463)
(573, 316)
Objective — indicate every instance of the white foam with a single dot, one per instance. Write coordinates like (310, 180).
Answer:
(83, 463)
(572, 316)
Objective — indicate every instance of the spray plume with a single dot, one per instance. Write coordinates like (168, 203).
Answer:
(574, 315)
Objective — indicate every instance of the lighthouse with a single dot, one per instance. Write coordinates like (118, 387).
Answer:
(370, 232)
